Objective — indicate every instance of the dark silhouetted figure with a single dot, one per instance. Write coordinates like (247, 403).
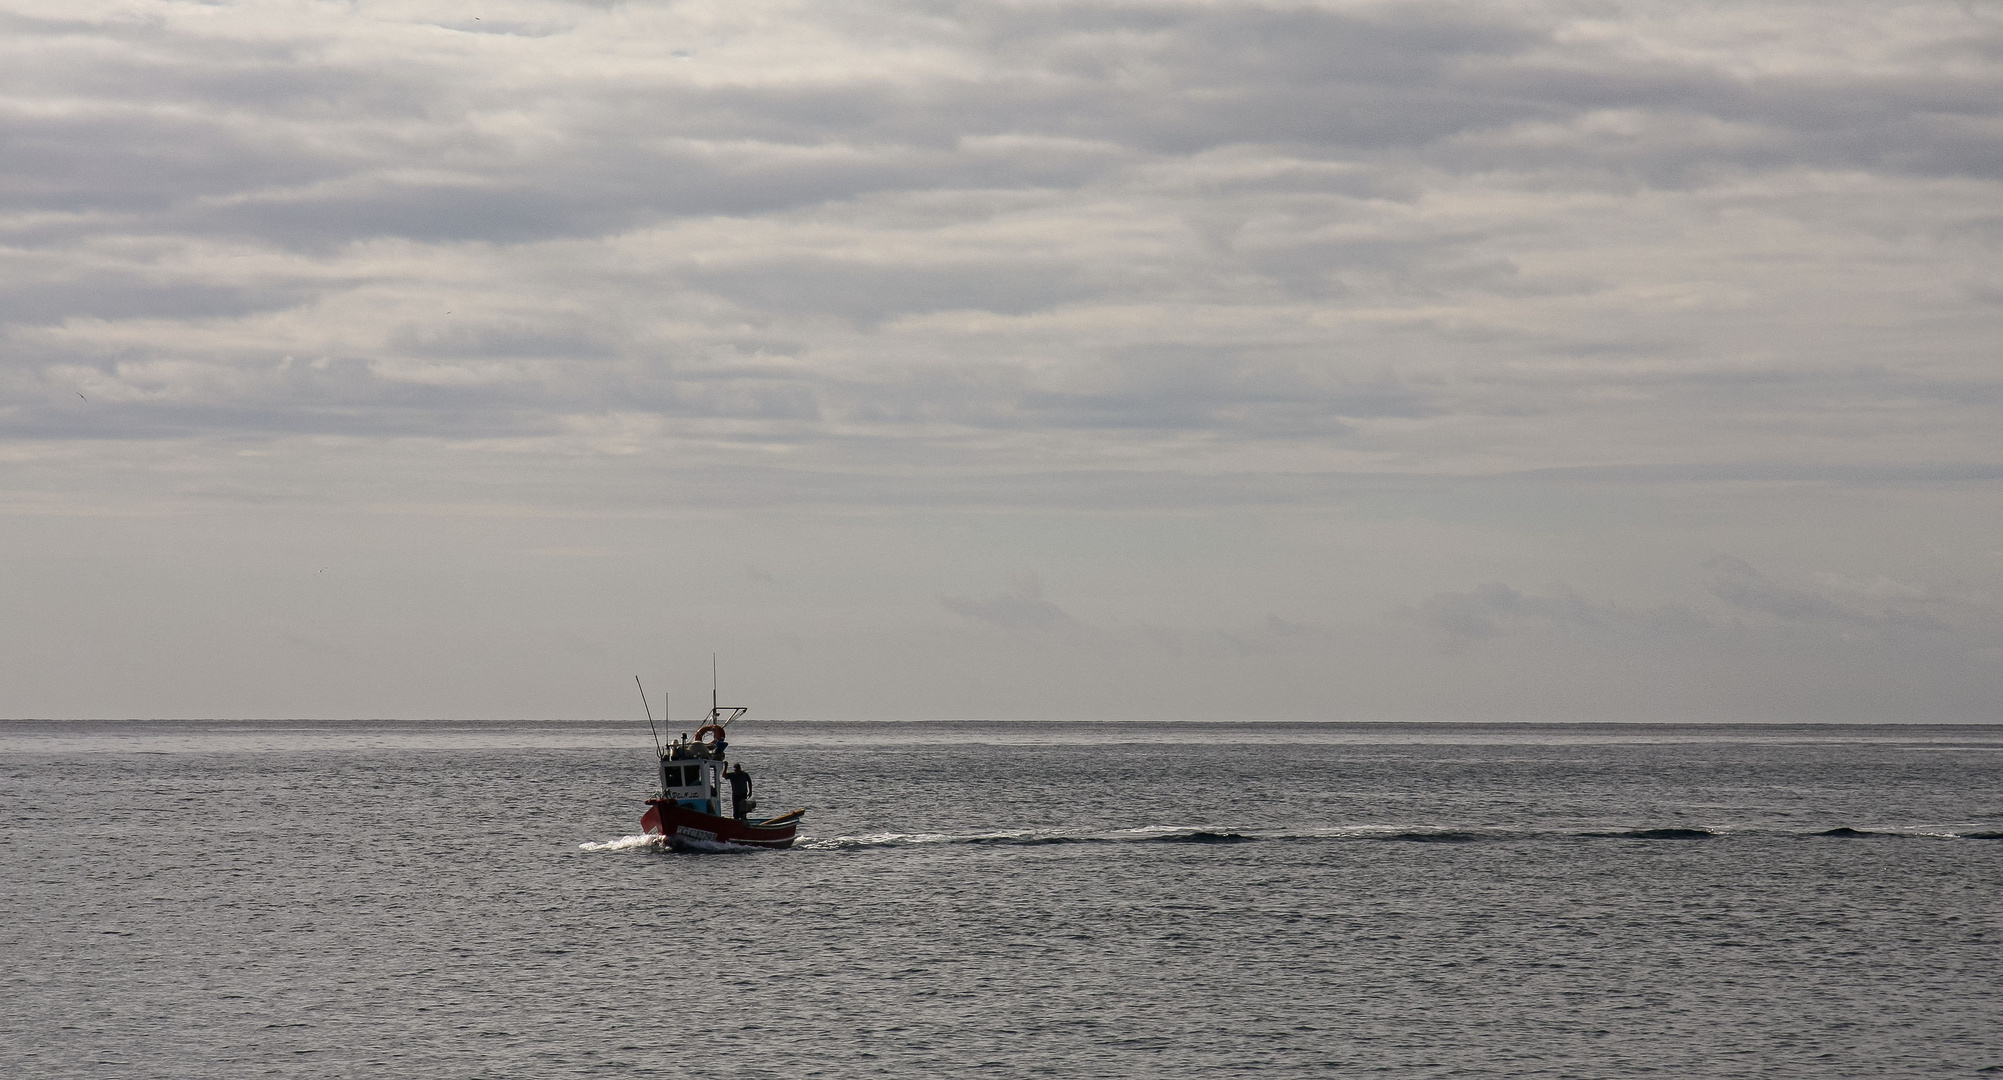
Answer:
(741, 803)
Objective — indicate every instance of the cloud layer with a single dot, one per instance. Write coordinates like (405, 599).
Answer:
(1462, 237)
(1518, 269)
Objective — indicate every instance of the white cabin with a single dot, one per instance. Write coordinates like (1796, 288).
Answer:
(694, 783)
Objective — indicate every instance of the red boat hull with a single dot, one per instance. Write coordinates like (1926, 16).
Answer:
(685, 828)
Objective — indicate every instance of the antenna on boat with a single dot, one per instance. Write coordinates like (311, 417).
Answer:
(716, 716)
(645, 704)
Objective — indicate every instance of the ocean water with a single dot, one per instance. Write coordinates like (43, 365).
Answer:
(380, 898)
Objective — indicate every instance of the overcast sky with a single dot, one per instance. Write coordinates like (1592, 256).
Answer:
(1372, 361)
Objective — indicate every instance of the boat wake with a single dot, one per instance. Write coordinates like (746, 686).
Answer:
(1151, 834)
(1185, 834)
(1178, 834)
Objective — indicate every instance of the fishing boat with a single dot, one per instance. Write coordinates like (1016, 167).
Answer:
(688, 811)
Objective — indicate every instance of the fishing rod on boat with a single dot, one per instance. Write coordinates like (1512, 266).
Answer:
(645, 704)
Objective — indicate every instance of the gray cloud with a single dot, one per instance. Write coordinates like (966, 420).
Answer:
(1022, 607)
(1738, 584)
(1494, 610)
(1274, 636)
(869, 294)
(1831, 605)
(125, 295)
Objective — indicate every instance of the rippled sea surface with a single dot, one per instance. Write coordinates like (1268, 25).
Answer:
(202, 899)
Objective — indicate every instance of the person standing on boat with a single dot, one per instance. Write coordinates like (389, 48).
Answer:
(740, 791)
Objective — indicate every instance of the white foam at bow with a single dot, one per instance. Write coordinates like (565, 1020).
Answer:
(622, 843)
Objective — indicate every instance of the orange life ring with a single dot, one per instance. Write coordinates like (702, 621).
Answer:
(718, 728)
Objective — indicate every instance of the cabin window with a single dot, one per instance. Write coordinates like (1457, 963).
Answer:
(691, 775)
